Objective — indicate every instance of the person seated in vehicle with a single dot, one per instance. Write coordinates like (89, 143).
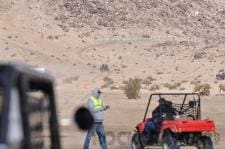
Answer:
(163, 111)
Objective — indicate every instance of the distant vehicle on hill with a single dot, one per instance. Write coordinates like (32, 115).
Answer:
(220, 76)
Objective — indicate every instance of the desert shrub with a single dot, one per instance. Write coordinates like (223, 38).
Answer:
(159, 73)
(50, 37)
(222, 87)
(182, 88)
(196, 82)
(150, 78)
(147, 81)
(145, 36)
(184, 81)
(124, 66)
(199, 76)
(132, 88)
(32, 53)
(70, 80)
(114, 88)
(172, 86)
(13, 55)
(108, 81)
(154, 87)
(121, 87)
(221, 70)
(202, 89)
(125, 82)
(199, 55)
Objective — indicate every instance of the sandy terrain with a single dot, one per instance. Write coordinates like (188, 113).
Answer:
(173, 41)
(125, 114)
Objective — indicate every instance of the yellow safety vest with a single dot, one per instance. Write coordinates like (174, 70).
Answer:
(97, 102)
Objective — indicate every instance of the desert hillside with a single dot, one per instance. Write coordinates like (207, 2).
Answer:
(162, 39)
(172, 45)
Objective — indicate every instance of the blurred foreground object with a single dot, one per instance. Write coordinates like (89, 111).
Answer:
(28, 117)
(83, 118)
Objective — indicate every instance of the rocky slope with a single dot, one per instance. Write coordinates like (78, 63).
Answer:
(191, 18)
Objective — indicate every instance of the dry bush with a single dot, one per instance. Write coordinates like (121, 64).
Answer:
(221, 70)
(172, 86)
(151, 78)
(50, 37)
(184, 81)
(199, 55)
(132, 88)
(199, 76)
(154, 87)
(147, 81)
(196, 82)
(114, 88)
(32, 53)
(182, 88)
(145, 36)
(70, 80)
(108, 81)
(125, 82)
(202, 89)
(124, 66)
(159, 73)
(222, 87)
(13, 55)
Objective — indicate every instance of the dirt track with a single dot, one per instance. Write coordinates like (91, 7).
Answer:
(124, 115)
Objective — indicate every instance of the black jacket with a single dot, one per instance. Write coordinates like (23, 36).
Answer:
(163, 111)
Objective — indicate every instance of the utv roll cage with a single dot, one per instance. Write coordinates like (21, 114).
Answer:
(190, 109)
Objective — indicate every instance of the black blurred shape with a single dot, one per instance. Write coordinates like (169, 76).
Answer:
(83, 118)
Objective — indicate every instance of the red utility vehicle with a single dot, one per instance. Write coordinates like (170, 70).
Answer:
(184, 128)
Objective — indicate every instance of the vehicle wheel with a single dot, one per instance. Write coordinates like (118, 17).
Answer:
(205, 142)
(169, 142)
(136, 142)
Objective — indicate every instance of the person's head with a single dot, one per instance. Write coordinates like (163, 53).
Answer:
(96, 92)
(162, 100)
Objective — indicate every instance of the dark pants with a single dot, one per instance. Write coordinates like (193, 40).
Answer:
(99, 129)
(150, 128)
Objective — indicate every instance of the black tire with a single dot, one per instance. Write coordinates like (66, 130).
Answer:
(136, 142)
(169, 142)
(205, 142)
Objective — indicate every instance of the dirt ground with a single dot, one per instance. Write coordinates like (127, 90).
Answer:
(125, 114)
(172, 41)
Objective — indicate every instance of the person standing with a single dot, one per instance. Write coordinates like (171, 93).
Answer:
(96, 107)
